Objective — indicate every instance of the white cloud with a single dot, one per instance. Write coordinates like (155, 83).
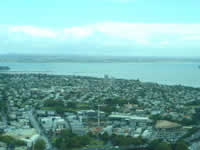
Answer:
(133, 34)
(192, 38)
(78, 32)
(164, 42)
(123, 1)
(33, 31)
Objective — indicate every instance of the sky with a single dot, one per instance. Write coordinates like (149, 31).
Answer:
(101, 27)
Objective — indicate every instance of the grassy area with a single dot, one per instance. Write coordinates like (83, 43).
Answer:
(95, 143)
(10, 140)
(83, 106)
(60, 108)
(47, 108)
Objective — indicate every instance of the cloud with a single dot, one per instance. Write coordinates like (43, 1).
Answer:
(164, 42)
(106, 34)
(152, 35)
(78, 32)
(33, 31)
(192, 38)
(123, 1)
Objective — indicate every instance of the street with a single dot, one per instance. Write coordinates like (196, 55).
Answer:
(39, 130)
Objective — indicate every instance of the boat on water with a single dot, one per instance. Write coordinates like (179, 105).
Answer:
(4, 68)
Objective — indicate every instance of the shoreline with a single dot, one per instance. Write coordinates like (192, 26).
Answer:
(49, 73)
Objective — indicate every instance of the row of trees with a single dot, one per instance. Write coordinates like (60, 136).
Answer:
(115, 101)
(154, 145)
(3, 106)
(160, 145)
(53, 103)
(122, 140)
(11, 141)
(39, 145)
(59, 105)
(67, 140)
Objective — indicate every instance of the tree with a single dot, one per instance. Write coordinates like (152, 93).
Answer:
(108, 109)
(66, 139)
(138, 141)
(60, 110)
(91, 135)
(188, 122)
(53, 103)
(190, 132)
(154, 144)
(40, 145)
(124, 141)
(66, 133)
(155, 117)
(3, 106)
(11, 141)
(71, 105)
(163, 146)
(105, 137)
(84, 140)
(181, 145)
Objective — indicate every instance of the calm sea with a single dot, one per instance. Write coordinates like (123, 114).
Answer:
(165, 73)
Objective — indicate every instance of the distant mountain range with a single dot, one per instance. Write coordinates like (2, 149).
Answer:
(88, 59)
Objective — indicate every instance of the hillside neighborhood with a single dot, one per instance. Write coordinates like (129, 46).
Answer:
(102, 113)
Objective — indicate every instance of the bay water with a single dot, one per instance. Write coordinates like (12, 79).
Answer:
(187, 74)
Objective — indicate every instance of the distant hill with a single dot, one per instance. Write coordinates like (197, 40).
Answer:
(88, 59)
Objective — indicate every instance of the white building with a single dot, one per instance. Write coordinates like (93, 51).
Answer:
(53, 123)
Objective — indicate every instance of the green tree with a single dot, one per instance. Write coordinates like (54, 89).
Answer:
(3, 106)
(190, 132)
(105, 137)
(91, 135)
(66, 133)
(67, 140)
(163, 146)
(181, 145)
(40, 145)
(187, 122)
(53, 103)
(71, 105)
(60, 110)
(138, 141)
(10, 140)
(124, 141)
(84, 140)
(153, 144)
(108, 109)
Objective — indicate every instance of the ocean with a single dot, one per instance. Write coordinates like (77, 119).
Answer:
(187, 74)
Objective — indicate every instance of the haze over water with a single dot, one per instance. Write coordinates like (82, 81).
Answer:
(164, 73)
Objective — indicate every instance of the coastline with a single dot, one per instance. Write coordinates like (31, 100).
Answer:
(87, 76)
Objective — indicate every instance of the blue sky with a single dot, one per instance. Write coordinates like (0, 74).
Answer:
(101, 27)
